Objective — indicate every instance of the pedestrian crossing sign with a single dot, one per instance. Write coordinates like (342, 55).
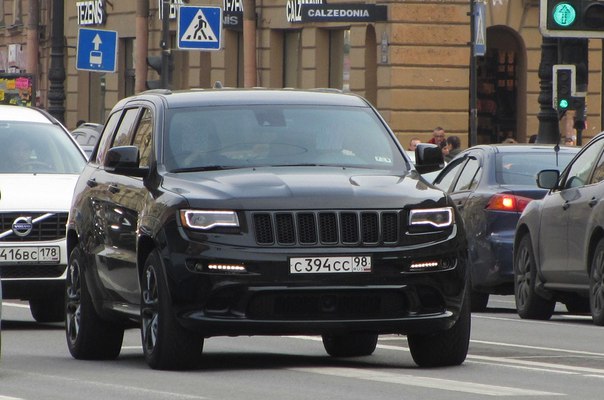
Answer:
(199, 28)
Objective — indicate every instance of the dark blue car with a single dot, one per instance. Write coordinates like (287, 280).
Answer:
(491, 185)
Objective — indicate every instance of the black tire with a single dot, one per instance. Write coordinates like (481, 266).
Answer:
(351, 345)
(444, 348)
(529, 304)
(596, 285)
(166, 344)
(48, 309)
(479, 301)
(88, 336)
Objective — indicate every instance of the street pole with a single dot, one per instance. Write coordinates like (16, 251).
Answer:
(165, 45)
(56, 72)
(549, 128)
(473, 139)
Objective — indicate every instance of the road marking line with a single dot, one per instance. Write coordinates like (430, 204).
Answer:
(524, 346)
(503, 360)
(420, 381)
(7, 304)
(522, 367)
(124, 388)
(10, 398)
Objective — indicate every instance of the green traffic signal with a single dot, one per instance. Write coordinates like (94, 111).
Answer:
(564, 14)
(563, 104)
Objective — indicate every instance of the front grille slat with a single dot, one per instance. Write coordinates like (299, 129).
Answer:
(51, 228)
(327, 228)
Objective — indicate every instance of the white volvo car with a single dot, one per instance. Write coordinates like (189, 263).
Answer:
(39, 165)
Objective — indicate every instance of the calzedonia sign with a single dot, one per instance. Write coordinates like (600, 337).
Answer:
(293, 8)
(343, 13)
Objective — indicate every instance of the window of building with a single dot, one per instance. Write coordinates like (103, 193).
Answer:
(233, 51)
(291, 58)
(339, 59)
(127, 47)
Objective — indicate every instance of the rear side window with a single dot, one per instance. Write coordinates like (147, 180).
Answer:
(469, 177)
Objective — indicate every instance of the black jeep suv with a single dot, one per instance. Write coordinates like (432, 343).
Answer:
(261, 212)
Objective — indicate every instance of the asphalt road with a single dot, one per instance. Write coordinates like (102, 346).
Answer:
(508, 357)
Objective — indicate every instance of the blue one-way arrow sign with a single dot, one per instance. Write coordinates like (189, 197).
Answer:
(199, 28)
(97, 50)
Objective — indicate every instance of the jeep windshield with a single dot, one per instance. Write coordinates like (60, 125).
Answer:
(241, 136)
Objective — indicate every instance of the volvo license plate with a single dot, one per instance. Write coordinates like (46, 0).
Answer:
(320, 265)
(30, 255)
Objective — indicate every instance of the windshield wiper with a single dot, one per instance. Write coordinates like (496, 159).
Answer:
(203, 168)
(303, 165)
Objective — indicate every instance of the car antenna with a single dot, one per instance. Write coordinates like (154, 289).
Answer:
(557, 150)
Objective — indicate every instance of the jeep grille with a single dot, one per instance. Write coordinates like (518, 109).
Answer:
(328, 228)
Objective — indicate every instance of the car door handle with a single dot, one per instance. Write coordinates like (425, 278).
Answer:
(566, 205)
(113, 188)
(91, 182)
(593, 202)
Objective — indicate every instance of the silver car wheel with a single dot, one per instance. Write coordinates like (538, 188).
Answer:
(150, 311)
(74, 300)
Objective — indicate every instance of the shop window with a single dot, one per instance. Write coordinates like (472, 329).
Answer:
(497, 87)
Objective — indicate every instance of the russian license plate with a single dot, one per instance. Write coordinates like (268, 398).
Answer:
(30, 255)
(319, 265)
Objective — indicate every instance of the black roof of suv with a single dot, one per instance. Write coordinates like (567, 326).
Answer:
(243, 212)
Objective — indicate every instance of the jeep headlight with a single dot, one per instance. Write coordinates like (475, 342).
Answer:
(208, 219)
(430, 219)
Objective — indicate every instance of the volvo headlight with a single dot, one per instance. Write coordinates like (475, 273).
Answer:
(207, 219)
(430, 219)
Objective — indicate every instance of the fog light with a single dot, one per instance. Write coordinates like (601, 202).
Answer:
(420, 266)
(227, 267)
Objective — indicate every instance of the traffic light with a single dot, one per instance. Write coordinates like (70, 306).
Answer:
(565, 94)
(572, 18)
(563, 81)
(156, 63)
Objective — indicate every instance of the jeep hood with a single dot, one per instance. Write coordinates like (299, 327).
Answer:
(302, 188)
(36, 192)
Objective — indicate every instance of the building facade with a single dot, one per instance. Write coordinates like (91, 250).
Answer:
(411, 59)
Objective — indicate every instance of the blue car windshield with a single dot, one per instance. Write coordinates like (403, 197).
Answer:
(277, 135)
(522, 168)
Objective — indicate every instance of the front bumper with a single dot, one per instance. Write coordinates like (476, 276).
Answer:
(267, 299)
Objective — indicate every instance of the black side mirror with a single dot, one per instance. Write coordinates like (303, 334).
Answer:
(124, 160)
(428, 158)
(548, 178)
